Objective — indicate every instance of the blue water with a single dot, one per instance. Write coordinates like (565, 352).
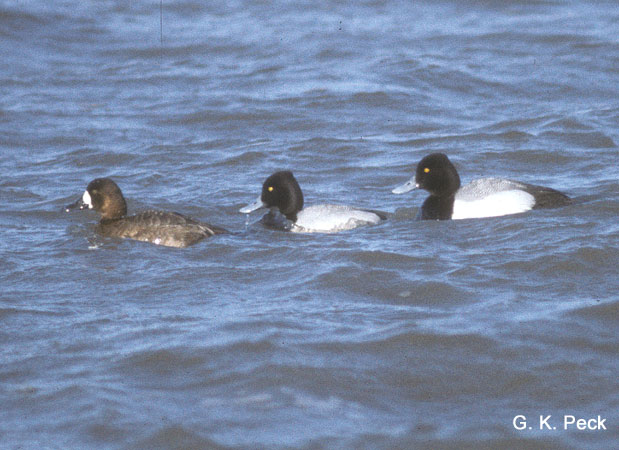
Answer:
(402, 335)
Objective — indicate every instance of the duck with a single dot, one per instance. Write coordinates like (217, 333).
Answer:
(282, 195)
(169, 229)
(484, 197)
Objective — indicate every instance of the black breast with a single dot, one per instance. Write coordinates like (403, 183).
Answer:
(437, 208)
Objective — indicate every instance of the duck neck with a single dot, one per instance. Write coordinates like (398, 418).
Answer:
(114, 210)
(438, 207)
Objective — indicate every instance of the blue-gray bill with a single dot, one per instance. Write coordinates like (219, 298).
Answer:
(406, 187)
(79, 204)
(258, 204)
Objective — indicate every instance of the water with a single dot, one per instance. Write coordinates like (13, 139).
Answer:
(405, 334)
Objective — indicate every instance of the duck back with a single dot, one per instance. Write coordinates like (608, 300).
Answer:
(158, 227)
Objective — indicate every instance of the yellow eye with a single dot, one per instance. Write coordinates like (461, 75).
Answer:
(270, 188)
(426, 170)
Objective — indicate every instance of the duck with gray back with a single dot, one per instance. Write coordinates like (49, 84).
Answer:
(282, 195)
(485, 197)
(158, 227)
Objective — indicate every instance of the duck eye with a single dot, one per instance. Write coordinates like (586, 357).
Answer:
(270, 189)
(426, 170)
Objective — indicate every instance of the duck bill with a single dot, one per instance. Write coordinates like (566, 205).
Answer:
(85, 202)
(406, 187)
(258, 204)
(79, 204)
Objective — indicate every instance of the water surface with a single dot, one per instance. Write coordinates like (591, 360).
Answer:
(406, 334)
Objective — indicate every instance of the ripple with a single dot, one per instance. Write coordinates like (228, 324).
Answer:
(606, 312)
(176, 436)
(584, 139)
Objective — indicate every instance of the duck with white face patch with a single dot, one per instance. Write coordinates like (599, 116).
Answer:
(158, 227)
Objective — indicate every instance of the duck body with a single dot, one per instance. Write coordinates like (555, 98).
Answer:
(169, 229)
(485, 197)
(322, 219)
(282, 195)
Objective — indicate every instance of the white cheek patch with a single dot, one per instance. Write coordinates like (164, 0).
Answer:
(87, 200)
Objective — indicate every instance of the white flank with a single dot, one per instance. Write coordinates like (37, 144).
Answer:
(332, 218)
(497, 204)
